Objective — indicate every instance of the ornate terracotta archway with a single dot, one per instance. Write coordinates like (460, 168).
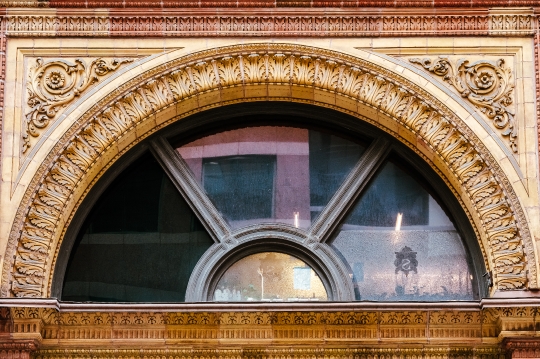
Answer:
(183, 86)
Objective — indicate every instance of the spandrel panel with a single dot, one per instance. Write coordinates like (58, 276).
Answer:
(269, 173)
(139, 244)
(399, 244)
(270, 277)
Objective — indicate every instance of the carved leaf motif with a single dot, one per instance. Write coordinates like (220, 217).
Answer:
(80, 153)
(64, 173)
(229, 71)
(304, 71)
(43, 217)
(35, 239)
(181, 84)
(408, 108)
(370, 89)
(53, 195)
(351, 81)
(96, 136)
(134, 106)
(30, 262)
(255, 68)
(279, 68)
(204, 75)
(114, 120)
(327, 76)
(53, 84)
(27, 286)
(488, 85)
(393, 101)
(158, 94)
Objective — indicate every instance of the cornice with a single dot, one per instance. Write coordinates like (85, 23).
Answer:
(55, 304)
(229, 330)
(270, 4)
(52, 329)
(311, 22)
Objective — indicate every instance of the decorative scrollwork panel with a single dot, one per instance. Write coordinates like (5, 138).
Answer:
(488, 85)
(53, 84)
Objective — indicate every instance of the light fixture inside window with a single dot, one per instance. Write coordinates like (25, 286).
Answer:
(398, 221)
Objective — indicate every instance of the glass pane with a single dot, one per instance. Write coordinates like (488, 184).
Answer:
(139, 244)
(272, 277)
(400, 245)
(271, 173)
(248, 179)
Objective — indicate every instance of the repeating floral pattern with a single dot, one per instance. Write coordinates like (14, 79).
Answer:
(217, 334)
(271, 24)
(34, 236)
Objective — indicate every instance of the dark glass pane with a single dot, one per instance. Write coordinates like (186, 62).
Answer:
(400, 245)
(391, 193)
(331, 158)
(271, 173)
(139, 244)
(270, 277)
(132, 206)
(247, 179)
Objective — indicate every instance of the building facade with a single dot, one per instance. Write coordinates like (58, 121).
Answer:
(290, 179)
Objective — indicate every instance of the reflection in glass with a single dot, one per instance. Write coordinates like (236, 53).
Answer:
(247, 179)
(270, 276)
(140, 242)
(270, 173)
(400, 245)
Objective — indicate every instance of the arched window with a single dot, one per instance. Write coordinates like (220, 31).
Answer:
(277, 208)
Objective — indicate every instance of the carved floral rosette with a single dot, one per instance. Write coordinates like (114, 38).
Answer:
(488, 85)
(53, 84)
(503, 232)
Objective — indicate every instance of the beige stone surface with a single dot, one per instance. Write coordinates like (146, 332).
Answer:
(18, 172)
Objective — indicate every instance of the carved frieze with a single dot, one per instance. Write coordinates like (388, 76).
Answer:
(267, 22)
(53, 84)
(23, 3)
(488, 85)
(33, 242)
(430, 332)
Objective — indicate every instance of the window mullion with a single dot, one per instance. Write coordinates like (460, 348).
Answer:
(180, 174)
(349, 191)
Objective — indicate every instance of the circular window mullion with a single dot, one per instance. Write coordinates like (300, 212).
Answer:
(348, 192)
(180, 174)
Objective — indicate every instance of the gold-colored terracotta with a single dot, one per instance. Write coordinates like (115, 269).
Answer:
(363, 333)
(198, 81)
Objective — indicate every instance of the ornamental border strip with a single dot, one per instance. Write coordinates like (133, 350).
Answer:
(268, 23)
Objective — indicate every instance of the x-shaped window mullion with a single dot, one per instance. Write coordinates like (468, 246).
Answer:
(182, 177)
(330, 217)
(346, 195)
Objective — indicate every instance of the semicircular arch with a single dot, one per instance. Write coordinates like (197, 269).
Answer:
(189, 84)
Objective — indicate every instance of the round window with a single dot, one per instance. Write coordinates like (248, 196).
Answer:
(270, 277)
